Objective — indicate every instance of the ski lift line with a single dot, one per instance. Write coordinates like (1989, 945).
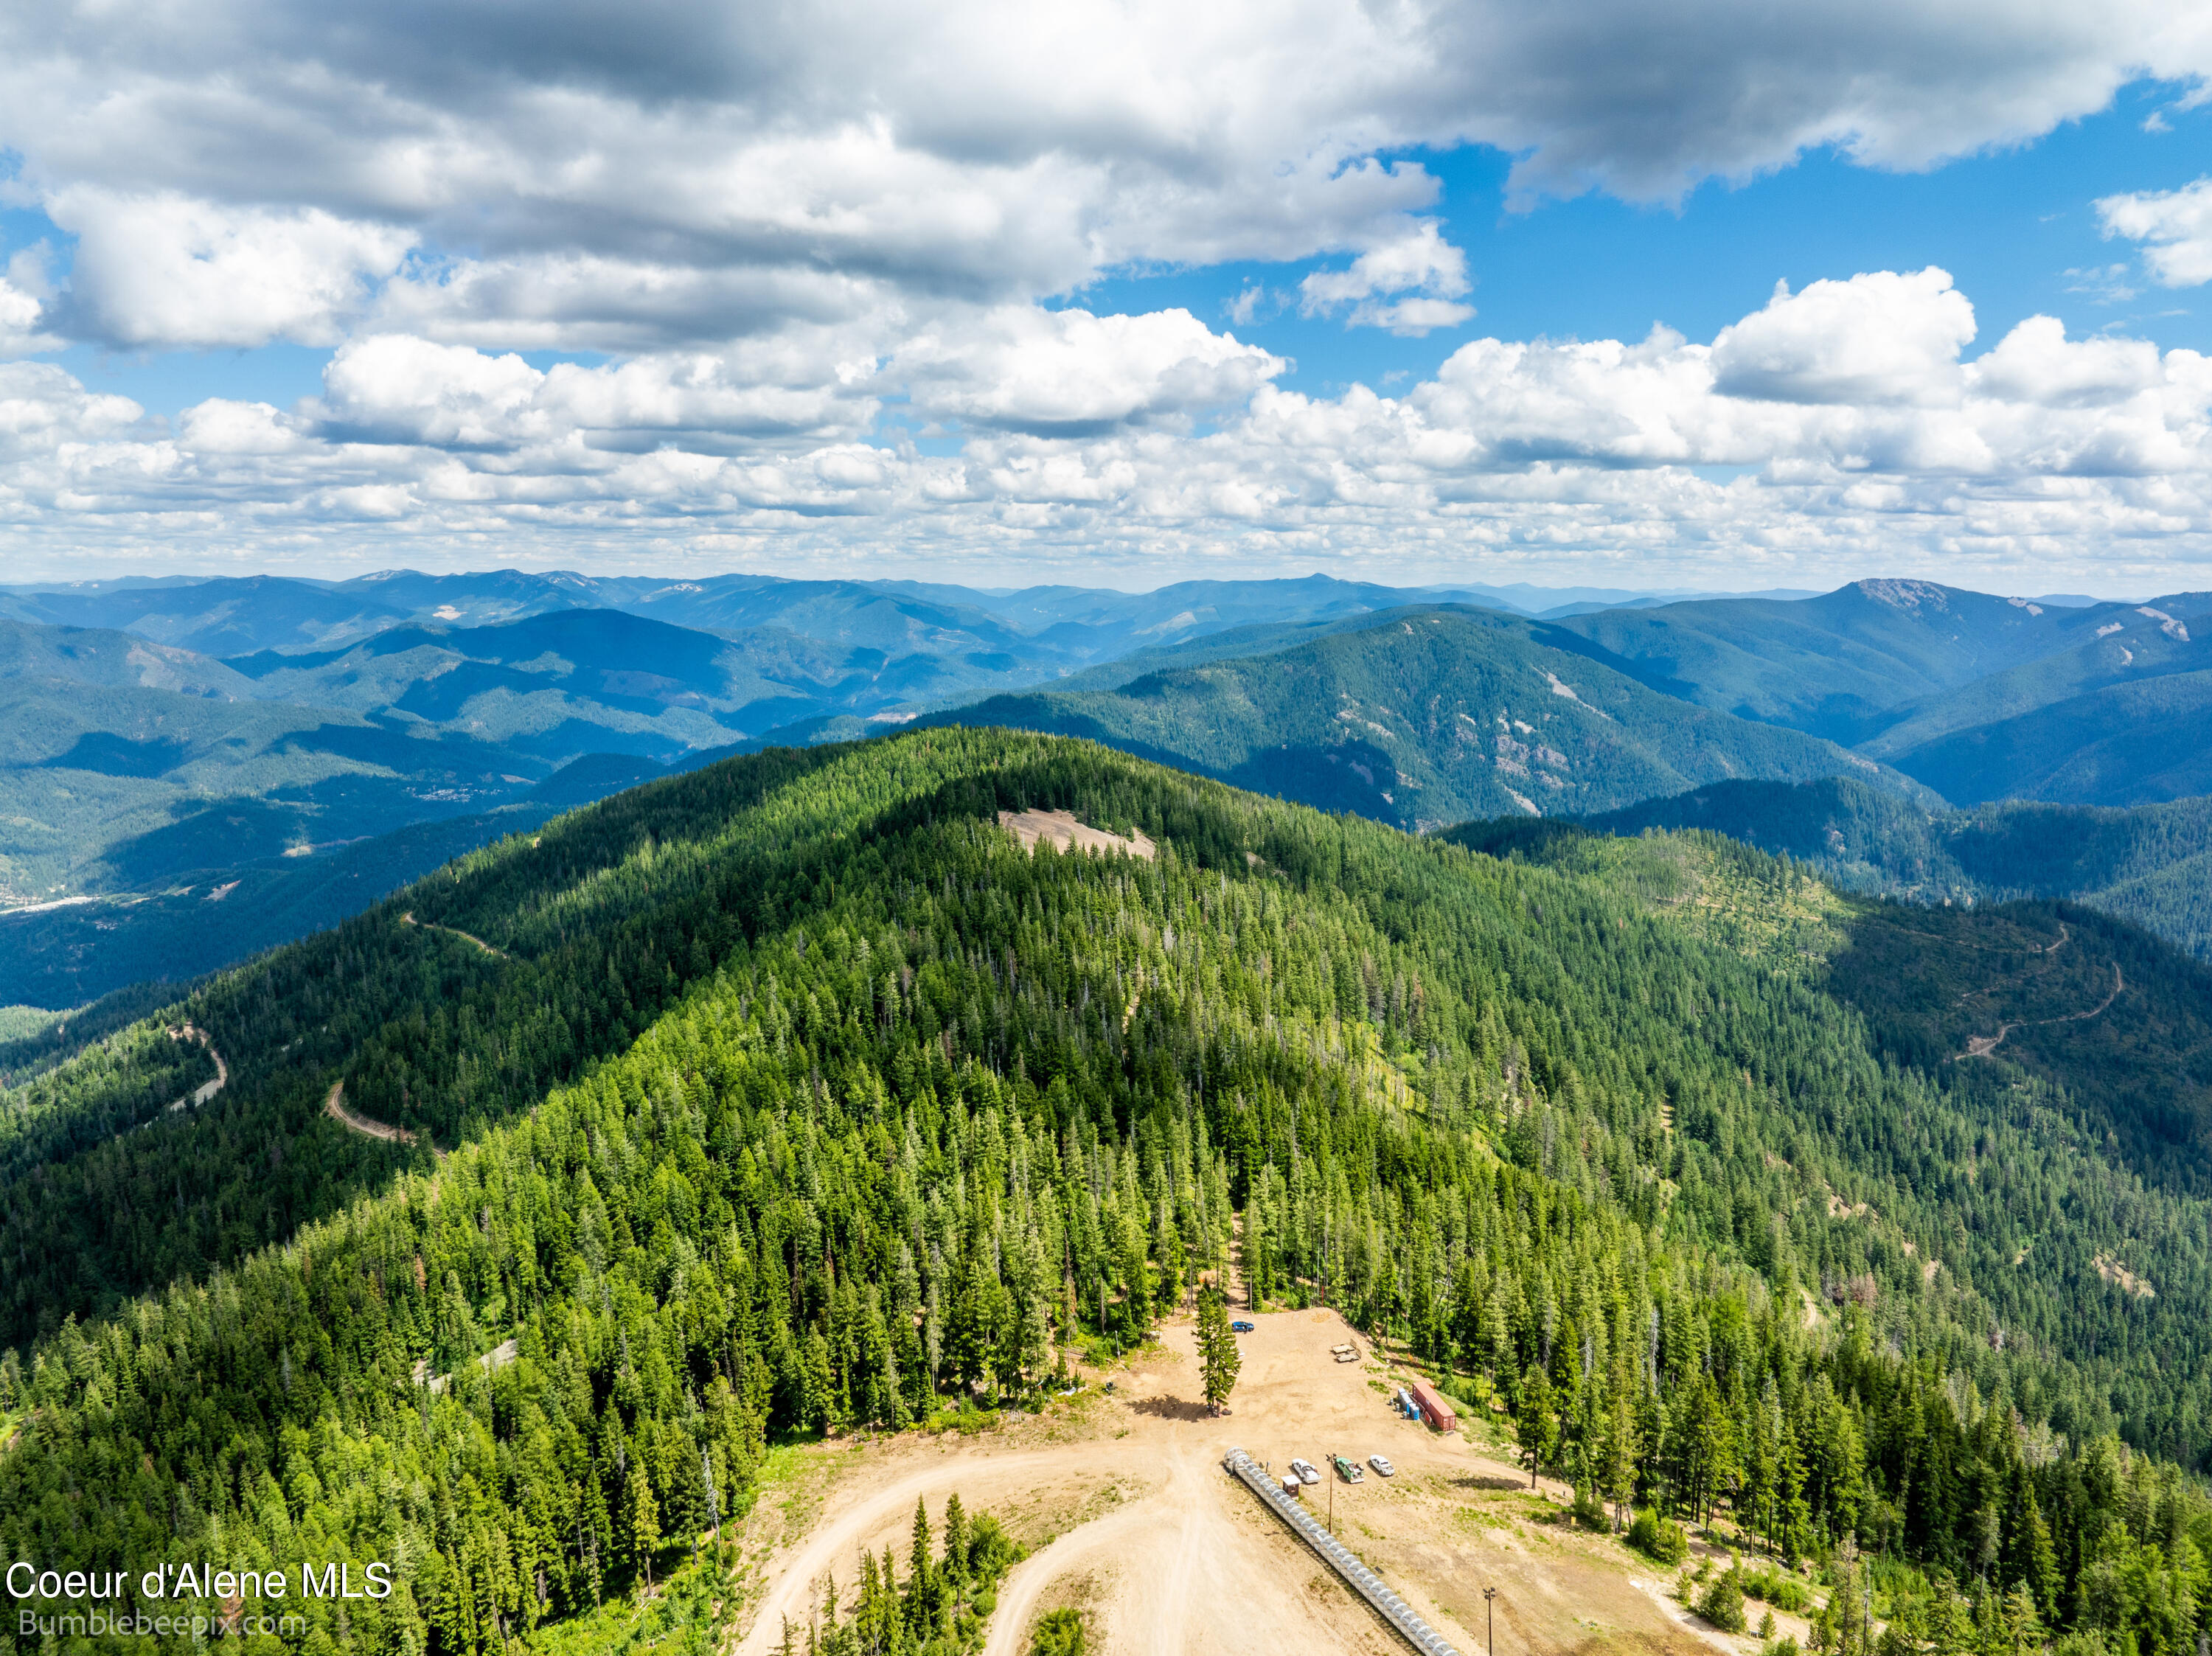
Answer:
(1339, 1558)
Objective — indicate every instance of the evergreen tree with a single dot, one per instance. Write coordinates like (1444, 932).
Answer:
(2039, 1564)
(929, 1612)
(1950, 1625)
(1218, 1358)
(1256, 1261)
(2023, 1621)
(1618, 1455)
(642, 1525)
(955, 1569)
(922, 1600)
(1534, 1422)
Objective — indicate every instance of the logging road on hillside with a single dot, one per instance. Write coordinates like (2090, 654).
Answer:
(206, 1089)
(408, 919)
(1983, 1046)
(335, 1107)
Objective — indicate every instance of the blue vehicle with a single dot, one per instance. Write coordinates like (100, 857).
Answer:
(1240, 1326)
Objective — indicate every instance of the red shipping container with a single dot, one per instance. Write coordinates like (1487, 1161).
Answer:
(1434, 1410)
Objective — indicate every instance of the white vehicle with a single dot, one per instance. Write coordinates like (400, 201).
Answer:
(1381, 1464)
(1306, 1472)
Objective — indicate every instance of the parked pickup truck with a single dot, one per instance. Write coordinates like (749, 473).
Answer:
(1349, 1470)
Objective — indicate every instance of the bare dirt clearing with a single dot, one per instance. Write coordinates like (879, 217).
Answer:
(1063, 830)
(1124, 1505)
(2113, 1271)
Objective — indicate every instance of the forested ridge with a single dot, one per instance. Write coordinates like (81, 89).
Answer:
(33, 1040)
(2114, 1023)
(1423, 717)
(2053, 991)
(426, 1031)
(862, 1107)
(2146, 864)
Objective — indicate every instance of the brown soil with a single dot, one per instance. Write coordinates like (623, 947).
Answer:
(1124, 1504)
(1063, 830)
(2113, 1271)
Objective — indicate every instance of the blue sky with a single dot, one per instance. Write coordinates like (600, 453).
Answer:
(2015, 227)
(1118, 292)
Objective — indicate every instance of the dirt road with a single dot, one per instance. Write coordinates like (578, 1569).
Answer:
(206, 1089)
(408, 919)
(1134, 1521)
(1180, 1571)
(335, 1107)
(1983, 1046)
(882, 1513)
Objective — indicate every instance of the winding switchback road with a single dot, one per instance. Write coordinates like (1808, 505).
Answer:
(1983, 1046)
(206, 1089)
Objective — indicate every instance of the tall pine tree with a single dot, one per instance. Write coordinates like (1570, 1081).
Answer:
(1219, 1359)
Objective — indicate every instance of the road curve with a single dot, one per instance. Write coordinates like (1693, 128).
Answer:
(1983, 1046)
(335, 1107)
(1026, 1583)
(1183, 1546)
(206, 1089)
(408, 919)
(836, 1546)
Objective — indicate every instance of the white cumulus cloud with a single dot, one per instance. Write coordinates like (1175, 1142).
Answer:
(2037, 363)
(764, 227)
(1878, 339)
(574, 176)
(21, 319)
(43, 409)
(2174, 226)
(167, 269)
(397, 389)
(1069, 372)
(392, 388)
(1410, 284)
(1854, 420)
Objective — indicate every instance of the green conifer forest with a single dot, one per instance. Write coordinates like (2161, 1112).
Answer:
(794, 1095)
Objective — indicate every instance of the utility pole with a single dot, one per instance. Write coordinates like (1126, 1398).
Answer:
(1490, 1615)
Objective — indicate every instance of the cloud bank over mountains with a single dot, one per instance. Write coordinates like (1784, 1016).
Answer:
(763, 228)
